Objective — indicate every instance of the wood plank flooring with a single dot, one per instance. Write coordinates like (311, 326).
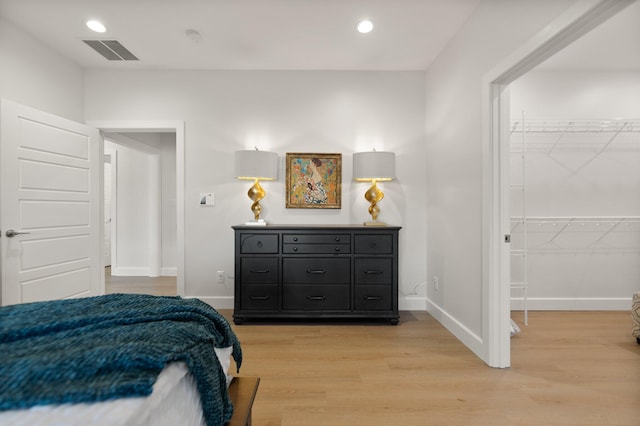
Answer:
(159, 286)
(568, 368)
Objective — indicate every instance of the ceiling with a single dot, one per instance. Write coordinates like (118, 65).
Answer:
(289, 34)
(248, 34)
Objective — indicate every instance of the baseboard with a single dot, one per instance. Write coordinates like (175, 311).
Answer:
(404, 304)
(459, 330)
(169, 271)
(412, 303)
(117, 271)
(572, 304)
(141, 271)
(217, 302)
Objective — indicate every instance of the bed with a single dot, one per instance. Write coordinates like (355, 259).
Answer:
(116, 360)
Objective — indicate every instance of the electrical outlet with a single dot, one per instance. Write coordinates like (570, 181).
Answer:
(220, 277)
(436, 282)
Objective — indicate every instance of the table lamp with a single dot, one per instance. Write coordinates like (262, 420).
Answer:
(256, 165)
(374, 167)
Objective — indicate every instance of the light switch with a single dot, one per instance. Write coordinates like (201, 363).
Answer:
(206, 199)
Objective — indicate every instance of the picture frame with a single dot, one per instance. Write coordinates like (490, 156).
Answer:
(314, 180)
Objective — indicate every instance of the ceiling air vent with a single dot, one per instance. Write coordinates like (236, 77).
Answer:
(111, 50)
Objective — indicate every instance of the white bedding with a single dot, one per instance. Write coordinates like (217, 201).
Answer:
(174, 401)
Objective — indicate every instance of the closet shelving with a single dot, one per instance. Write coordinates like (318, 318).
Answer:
(522, 253)
(595, 228)
(593, 137)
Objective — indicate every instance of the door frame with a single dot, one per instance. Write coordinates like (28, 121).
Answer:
(176, 127)
(577, 21)
(113, 161)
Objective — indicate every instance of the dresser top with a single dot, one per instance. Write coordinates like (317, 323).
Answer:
(317, 227)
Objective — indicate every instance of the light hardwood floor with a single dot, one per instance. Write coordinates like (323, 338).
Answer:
(159, 286)
(568, 368)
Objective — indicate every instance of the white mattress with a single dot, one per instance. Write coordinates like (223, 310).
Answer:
(174, 401)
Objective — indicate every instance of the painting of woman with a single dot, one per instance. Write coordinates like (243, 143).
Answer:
(313, 180)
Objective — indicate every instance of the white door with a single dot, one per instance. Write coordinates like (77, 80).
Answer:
(107, 209)
(50, 208)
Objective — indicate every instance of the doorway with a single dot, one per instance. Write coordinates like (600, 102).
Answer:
(577, 22)
(174, 205)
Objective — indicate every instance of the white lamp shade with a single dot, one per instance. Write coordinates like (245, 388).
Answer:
(253, 164)
(378, 165)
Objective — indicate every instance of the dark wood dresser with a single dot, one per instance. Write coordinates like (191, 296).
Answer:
(309, 271)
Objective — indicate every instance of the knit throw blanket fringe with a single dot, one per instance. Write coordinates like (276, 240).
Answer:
(113, 346)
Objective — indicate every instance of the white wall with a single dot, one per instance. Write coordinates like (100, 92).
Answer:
(33, 74)
(454, 158)
(558, 95)
(283, 112)
(588, 265)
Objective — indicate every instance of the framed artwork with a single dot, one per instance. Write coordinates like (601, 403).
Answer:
(314, 181)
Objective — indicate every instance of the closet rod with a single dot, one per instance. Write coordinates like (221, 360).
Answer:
(630, 219)
(576, 126)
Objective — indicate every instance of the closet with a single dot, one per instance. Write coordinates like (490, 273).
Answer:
(575, 213)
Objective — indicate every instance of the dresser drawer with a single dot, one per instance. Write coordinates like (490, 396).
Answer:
(373, 298)
(259, 296)
(259, 270)
(258, 243)
(316, 248)
(374, 244)
(373, 271)
(309, 297)
(316, 238)
(316, 270)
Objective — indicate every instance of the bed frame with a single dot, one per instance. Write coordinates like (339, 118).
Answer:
(242, 392)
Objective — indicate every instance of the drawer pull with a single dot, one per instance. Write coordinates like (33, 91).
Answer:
(295, 249)
(372, 298)
(316, 297)
(372, 244)
(338, 239)
(259, 244)
(374, 272)
(337, 248)
(316, 271)
(259, 271)
(259, 297)
(295, 238)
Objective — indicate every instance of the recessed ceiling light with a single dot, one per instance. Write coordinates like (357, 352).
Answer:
(96, 26)
(365, 26)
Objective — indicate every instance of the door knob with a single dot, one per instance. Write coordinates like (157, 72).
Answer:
(11, 233)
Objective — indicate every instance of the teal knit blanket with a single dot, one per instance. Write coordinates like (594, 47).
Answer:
(113, 346)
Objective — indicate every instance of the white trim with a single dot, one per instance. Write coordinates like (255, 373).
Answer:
(154, 200)
(497, 347)
(573, 303)
(162, 126)
(464, 334)
(578, 20)
(412, 303)
(217, 302)
(130, 271)
(168, 271)
(113, 154)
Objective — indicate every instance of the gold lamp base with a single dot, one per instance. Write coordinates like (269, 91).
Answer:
(373, 196)
(256, 193)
